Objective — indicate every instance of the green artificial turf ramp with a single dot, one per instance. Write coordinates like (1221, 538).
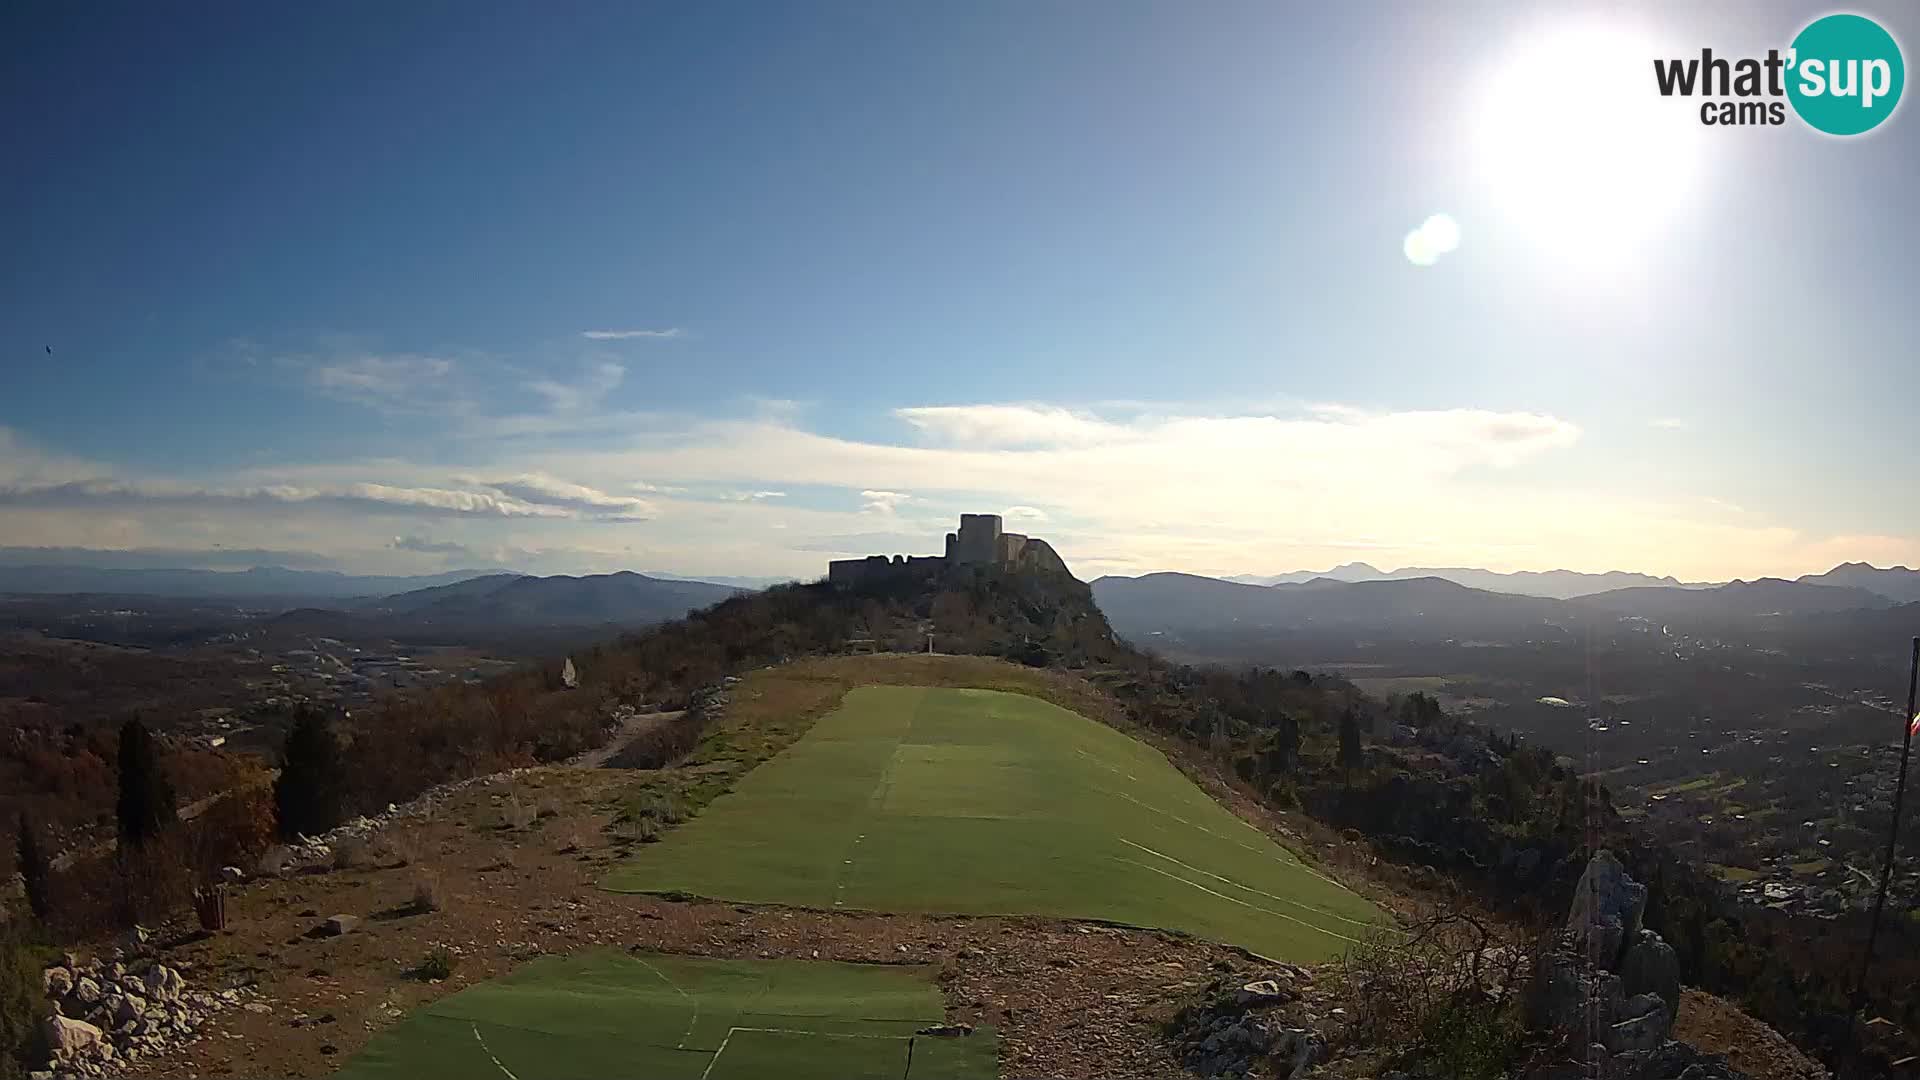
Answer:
(602, 1013)
(983, 802)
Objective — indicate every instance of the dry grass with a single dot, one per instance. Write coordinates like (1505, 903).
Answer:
(351, 852)
(275, 860)
(516, 815)
(426, 893)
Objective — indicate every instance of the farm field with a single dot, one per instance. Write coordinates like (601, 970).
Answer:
(603, 1013)
(962, 801)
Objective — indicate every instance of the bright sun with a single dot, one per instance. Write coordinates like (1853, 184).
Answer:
(1570, 140)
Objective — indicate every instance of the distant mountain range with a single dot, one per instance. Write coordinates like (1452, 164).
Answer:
(1183, 602)
(259, 582)
(622, 599)
(1557, 584)
(1896, 583)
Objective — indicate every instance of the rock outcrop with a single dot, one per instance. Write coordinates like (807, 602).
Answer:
(1612, 987)
(107, 1014)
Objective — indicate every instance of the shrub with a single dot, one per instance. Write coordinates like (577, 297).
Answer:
(400, 849)
(146, 805)
(310, 795)
(22, 1001)
(235, 830)
(436, 966)
(426, 893)
(36, 867)
(1447, 993)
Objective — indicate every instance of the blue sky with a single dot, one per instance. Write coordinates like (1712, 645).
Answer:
(736, 288)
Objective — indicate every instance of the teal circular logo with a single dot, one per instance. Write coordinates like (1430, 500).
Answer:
(1845, 74)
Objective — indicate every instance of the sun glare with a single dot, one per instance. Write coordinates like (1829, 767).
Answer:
(1572, 146)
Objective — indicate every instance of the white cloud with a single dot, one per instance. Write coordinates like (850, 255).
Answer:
(1009, 426)
(424, 546)
(882, 502)
(1229, 492)
(630, 335)
(1668, 423)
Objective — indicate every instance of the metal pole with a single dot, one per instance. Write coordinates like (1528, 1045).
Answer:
(1893, 831)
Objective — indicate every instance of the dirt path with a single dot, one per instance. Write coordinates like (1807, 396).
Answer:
(629, 729)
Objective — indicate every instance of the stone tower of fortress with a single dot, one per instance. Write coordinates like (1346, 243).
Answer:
(980, 541)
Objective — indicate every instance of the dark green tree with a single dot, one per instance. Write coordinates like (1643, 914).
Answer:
(310, 795)
(1349, 739)
(1286, 744)
(23, 1000)
(146, 807)
(36, 866)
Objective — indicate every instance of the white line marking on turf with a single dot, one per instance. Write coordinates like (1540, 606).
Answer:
(676, 989)
(785, 1031)
(1293, 864)
(1106, 765)
(1248, 888)
(1242, 903)
(504, 1071)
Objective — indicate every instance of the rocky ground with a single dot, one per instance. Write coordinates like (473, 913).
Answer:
(329, 942)
(1070, 1000)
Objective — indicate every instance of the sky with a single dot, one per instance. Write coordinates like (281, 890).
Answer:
(737, 288)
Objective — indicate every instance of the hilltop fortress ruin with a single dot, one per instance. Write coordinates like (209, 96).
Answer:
(980, 542)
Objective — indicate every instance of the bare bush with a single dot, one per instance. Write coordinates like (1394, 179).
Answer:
(426, 893)
(1447, 992)
(515, 814)
(399, 849)
(547, 807)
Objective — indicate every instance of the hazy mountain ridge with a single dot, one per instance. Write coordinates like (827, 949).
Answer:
(1428, 606)
(1897, 583)
(1554, 584)
(625, 598)
(259, 581)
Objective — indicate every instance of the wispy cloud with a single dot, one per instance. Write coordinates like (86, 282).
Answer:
(1668, 423)
(1009, 426)
(541, 490)
(630, 335)
(362, 495)
(595, 382)
(381, 381)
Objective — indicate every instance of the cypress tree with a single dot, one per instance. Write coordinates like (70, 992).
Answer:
(146, 806)
(310, 795)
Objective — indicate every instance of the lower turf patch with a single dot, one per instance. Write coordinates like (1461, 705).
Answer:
(983, 802)
(602, 1013)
